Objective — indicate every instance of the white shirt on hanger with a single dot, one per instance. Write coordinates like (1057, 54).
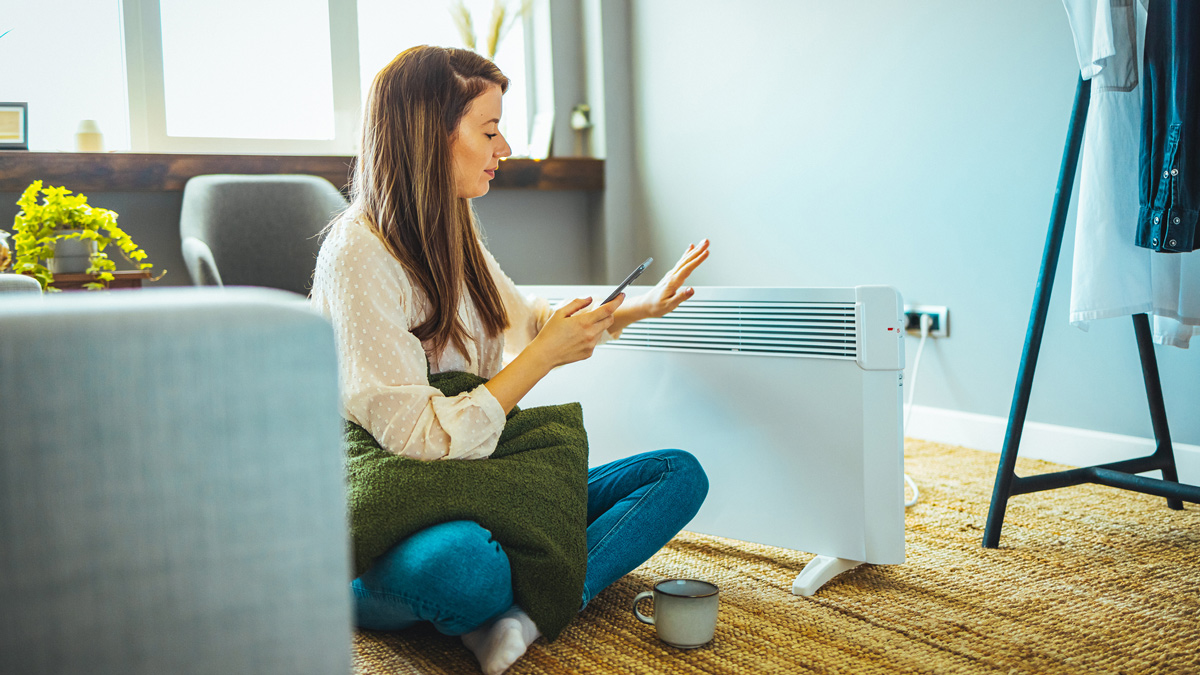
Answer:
(1111, 276)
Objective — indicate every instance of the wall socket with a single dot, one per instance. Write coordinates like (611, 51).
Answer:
(940, 315)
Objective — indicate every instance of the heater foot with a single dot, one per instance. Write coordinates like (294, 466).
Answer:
(818, 571)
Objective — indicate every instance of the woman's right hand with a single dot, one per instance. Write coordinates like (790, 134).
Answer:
(571, 334)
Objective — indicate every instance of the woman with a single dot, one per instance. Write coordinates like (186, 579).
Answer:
(411, 290)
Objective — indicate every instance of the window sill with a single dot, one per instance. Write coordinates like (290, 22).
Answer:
(138, 172)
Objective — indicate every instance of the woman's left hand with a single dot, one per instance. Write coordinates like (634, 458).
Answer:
(666, 295)
(670, 292)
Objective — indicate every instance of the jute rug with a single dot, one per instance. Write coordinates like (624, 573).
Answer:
(1087, 580)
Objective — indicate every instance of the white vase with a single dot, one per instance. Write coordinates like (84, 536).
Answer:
(88, 138)
(71, 256)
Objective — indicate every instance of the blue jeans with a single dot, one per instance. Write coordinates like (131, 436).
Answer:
(457, 577)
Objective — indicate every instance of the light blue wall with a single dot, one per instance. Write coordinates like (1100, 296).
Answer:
(914, 144)
(538, 237)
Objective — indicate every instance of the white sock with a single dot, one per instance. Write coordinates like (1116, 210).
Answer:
(500, 643)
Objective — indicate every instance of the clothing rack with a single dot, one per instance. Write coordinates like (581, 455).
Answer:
(1115, 474)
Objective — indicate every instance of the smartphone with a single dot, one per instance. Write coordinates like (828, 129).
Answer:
(629, 280)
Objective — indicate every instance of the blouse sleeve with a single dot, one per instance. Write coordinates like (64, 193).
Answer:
(527, 313)
(382, 365)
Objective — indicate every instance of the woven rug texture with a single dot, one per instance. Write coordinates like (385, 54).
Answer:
(1087, 579)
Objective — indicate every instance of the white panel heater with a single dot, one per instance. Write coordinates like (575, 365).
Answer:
(789, 397)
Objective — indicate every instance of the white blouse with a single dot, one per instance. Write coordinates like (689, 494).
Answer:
(366, 294)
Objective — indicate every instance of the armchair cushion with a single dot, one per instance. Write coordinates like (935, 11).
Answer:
(255, 230)
(171, 494)
(19, 283)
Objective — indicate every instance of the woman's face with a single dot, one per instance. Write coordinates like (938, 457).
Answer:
(477, 146)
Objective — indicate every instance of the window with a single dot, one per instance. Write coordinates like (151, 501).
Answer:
(289, 76)
(266, 75)
(388, 27)
(239, 76)
(242, 76)
(75, 75)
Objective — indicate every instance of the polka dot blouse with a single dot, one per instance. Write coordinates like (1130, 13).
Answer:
(366, 294)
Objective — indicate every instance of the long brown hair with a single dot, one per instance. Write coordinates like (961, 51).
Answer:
(404, 185)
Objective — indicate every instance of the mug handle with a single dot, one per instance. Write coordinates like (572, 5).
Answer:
(642, 617)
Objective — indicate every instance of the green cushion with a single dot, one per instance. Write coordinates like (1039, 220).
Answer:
(531, 494)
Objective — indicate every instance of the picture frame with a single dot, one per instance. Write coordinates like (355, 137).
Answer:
(14, 126)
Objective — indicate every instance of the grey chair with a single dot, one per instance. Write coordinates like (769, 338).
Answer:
(255, 230)
(171, 485)
(19, 283)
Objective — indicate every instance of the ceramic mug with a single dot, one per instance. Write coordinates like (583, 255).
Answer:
(685, 611)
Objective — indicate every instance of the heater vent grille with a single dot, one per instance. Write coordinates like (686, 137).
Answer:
(780, 328)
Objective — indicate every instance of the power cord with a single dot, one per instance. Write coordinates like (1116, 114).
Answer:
(926, 322)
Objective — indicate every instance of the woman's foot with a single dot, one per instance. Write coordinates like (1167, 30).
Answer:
(500, 643)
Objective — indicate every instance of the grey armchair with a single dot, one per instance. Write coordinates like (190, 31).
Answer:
(19, 283)
(255, 230)
(171, 486)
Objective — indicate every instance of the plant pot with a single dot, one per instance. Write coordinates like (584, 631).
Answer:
(71, 256)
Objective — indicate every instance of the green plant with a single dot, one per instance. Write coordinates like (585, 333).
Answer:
(38, 226)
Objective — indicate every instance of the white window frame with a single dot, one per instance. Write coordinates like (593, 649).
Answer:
(539, 92)
(142, 36)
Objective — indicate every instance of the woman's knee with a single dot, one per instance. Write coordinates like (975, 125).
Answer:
(454, 570)
(687, 471)
(463, 554)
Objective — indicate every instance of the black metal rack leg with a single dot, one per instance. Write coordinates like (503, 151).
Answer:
(1121, 474)
(1163, 452)
(1037, 317)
